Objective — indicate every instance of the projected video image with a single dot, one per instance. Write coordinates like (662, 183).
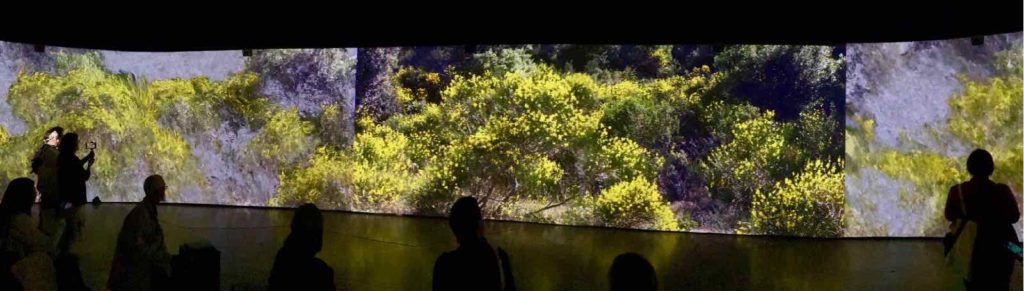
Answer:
(732, 139)
(220, 127)
(914, 112)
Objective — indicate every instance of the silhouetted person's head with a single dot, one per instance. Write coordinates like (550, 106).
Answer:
(464, 220)
(69, 143)
(980, 164)
(307, 230)
(53, 135)
(631, 271)
(155, 188)
(20, 195)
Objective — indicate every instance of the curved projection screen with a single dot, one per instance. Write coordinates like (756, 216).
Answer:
(825, 141)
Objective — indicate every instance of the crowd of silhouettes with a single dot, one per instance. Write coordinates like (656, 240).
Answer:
(43, 256)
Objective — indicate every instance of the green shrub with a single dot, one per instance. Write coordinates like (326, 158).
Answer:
(503, 61)
(3, 136)
(750, 161)
(416, 87)
(375, 176)
(330, 126)
(322, 181)
(812, 203)
(285, 138)
(634, 204)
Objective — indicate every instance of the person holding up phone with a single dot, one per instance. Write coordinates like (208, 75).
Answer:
(1015, 249)
(72, 173)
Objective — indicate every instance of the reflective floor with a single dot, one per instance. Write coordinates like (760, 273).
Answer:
(377, 252)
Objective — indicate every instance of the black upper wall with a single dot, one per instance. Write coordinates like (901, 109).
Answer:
(710, 22)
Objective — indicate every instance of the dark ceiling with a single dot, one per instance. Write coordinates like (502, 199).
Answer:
(847, 22)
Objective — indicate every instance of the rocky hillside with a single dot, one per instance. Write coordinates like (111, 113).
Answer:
(898, 109)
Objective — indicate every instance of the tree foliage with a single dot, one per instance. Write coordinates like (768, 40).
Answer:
(533, 138)
(783, 78)
(747, 163)
(528, 137)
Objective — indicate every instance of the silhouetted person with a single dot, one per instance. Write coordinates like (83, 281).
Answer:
(25, 252)
(994, 209)
(44, 165)
(141, 261)
(631, 271)
(474, 265)
(72, 173)
(296, 266)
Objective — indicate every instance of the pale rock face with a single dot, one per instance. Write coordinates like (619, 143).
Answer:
(15, 57)
(215, 65)
(904, 87)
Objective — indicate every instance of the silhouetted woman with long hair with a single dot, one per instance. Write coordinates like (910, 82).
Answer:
(25, 260)
(993, 208)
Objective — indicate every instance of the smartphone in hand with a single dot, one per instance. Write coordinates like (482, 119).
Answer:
(1015, 249)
